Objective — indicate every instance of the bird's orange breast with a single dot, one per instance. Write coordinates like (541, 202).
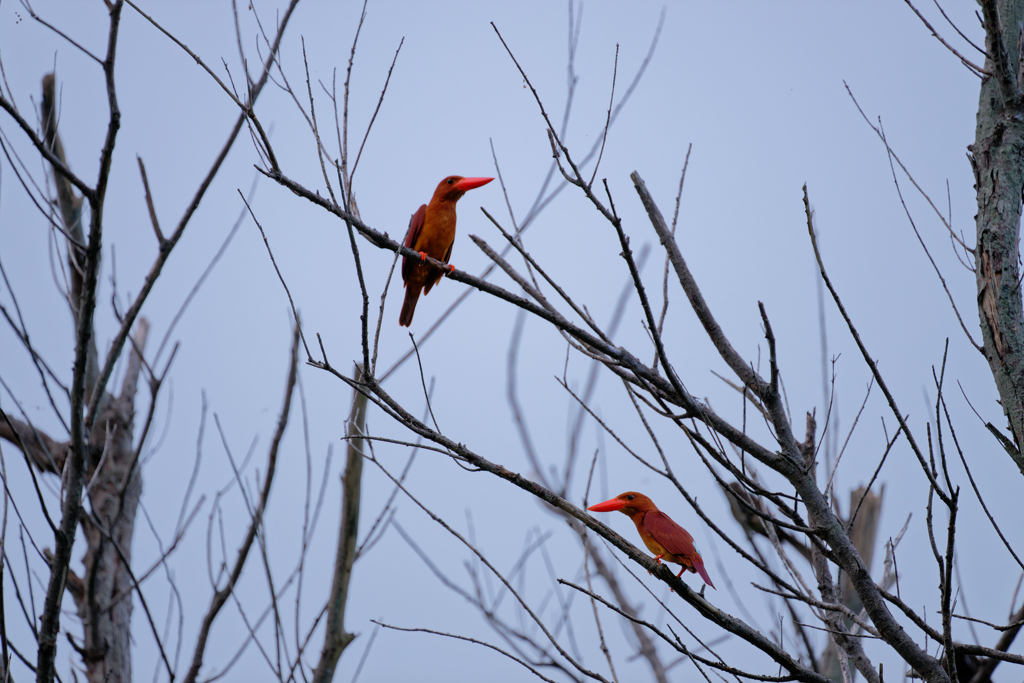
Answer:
(438, 233)
(652, 544)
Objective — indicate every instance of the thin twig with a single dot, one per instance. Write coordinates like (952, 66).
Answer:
(291, 302)
(966, 62)
(608, 120)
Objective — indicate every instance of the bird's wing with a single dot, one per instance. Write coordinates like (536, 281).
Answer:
(670, 535)
(676, 540)
(415, 225)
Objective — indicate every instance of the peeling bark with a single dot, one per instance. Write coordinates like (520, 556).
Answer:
(996, 157)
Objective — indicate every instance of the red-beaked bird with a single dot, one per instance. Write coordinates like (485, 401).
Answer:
(432, 233)
(663, 537)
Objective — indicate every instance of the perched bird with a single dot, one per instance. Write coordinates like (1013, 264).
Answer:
(663, 537)
(432, 233)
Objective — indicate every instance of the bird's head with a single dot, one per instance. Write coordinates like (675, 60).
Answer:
(454, 186)
(628, 503)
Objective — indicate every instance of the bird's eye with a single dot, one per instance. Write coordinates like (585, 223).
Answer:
(630, 497)
(451, 181)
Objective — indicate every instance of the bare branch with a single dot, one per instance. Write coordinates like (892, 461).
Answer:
(966, 62)
(469, 640)
(149, 203)
(608, 120)
(867, 357)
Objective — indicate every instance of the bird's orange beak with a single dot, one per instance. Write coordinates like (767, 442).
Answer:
(467, 184)
(608, 506)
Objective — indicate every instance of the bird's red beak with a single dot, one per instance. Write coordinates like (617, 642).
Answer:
(608, 506)
(467, 184)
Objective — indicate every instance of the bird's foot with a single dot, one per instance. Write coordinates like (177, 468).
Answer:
(451, 269)
(423, 257)
(678, 576)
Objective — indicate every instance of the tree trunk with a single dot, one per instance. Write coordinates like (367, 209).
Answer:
(104, 595)
(336, 638)
(999, 179)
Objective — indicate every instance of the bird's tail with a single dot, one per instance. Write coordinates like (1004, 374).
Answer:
(699, 566)
(412, 295)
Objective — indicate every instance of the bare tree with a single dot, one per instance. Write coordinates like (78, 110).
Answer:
(776, 470)
(100, 460)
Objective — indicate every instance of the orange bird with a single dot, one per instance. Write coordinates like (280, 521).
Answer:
(432, 233)
(663, 537)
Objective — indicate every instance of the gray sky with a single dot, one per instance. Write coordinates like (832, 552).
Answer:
(758, 89)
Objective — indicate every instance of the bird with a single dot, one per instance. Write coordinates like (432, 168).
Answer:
(663, 537)
(432, 233)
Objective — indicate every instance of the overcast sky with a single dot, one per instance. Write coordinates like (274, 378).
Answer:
(758, 89)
